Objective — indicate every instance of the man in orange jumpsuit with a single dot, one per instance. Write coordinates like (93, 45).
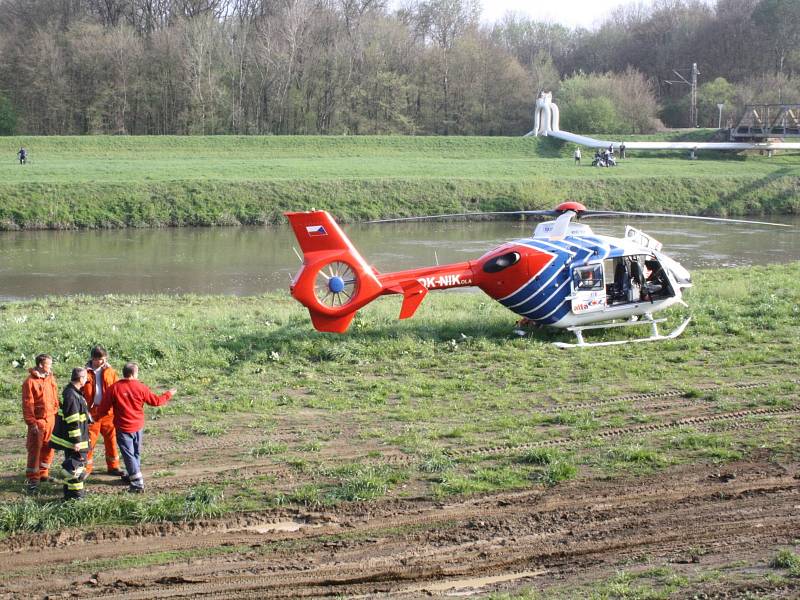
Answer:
(101, 377)
(39, 407)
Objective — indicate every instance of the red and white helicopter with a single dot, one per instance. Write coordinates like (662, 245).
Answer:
(564, 276)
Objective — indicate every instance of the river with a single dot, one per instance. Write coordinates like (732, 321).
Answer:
(254, 260)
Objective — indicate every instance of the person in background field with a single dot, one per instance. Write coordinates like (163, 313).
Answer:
(39, 408)
(71, 434)
(577, 155)
(622, 150)
(23, 156)
(101, 376)
(127, 398)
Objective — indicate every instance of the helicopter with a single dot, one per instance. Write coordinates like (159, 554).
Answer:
(563, 276)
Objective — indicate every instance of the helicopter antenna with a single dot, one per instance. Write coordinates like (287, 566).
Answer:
(300, 258)
(436, 257)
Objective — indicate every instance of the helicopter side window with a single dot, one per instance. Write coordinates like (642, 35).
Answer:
(498, 263)
(589, 278)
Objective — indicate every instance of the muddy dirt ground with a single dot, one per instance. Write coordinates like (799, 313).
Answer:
(699, 529)
(717, 528)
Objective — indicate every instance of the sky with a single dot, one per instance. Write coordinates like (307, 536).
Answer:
(572, 13)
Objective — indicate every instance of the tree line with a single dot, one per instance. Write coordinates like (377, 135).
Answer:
(365, 67)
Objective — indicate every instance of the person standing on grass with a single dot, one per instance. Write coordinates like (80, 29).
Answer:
(39, 408)
(101, 376)
(577, 156)
(23, 156)
(71, 434)
(127, 398)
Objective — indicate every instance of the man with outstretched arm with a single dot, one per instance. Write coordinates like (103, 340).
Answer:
(39, 408)
(71, 434)
(127, 398)
(101, 376)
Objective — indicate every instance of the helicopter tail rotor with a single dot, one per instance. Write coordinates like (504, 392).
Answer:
(335, 280)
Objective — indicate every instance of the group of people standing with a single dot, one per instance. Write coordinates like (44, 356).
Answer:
(95, 402)
(606, 153)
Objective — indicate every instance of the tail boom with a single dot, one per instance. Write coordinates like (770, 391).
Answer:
(335, 281)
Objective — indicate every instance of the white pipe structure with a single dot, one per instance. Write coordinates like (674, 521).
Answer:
(595, 143)
(546, 118)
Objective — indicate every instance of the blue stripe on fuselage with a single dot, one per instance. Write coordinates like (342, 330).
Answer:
(543, 298)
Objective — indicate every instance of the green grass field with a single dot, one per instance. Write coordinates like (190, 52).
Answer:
(160, 181)
(434, 389)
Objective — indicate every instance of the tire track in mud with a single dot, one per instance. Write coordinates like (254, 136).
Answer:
(653, 403)
(244, 438)
(623, 431)
(512, 535)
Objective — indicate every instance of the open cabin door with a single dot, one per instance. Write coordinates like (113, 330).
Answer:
(588, 289)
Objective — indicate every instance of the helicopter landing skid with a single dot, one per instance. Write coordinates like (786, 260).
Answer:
(654, 337)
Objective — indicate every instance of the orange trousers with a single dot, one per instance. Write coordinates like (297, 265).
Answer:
(104, 425)
(40, 454)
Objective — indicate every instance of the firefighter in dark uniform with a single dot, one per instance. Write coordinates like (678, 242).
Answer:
(71, 434)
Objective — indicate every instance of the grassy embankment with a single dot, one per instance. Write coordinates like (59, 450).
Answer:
(434, 389)
(104, 182)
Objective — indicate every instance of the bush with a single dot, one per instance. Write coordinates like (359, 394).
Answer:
(609, 103)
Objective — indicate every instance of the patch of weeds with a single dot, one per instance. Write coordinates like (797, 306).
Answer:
(482, 479)
(706, 445)
(157, 474)
(276, 498)
(268, 448)
(181, 434)
(786, 559)
(540, 456)
(435, 462)
(556, 472)
(298, 464)
(623, 585)
(28, 515)
(359, 482)
(202, 502)
(635, 456)
(310, 446)
(209, 429)
(555, 465)
(307, 495)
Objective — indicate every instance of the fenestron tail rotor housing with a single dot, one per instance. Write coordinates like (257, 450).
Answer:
(336, 284)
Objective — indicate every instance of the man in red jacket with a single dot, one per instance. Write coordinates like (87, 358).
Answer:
(127, 398)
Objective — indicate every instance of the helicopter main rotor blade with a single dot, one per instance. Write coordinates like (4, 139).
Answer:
(548, 213)
(619, 213)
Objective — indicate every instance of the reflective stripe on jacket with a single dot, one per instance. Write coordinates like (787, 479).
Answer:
(72, 421)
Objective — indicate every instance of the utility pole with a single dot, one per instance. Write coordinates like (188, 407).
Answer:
(693, 94)
(695, 73)
(719, 122)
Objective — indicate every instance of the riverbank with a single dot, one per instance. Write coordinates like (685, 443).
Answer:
(108, 182)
